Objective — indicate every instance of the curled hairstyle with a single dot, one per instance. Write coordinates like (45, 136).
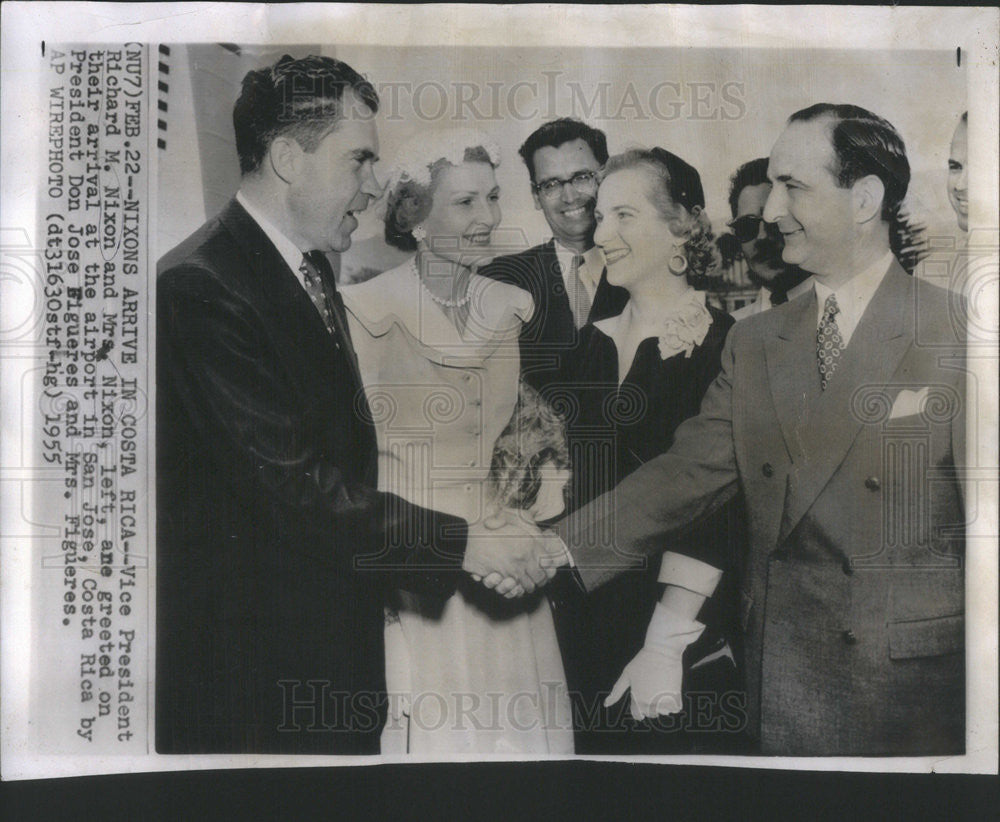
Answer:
(409, 202)
(864, 143)
(752, 173)
(674, 188)
(557, 132)
(301, 98)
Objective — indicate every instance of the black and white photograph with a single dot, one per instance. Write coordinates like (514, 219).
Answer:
(334, 452)
(481, 384)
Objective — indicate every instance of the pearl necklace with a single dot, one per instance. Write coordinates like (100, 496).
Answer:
(442, 301)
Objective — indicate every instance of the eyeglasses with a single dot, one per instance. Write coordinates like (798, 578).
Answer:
(583, 181)
(746, 228)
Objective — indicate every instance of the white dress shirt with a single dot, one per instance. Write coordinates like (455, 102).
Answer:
(763, 301)
(589, 272)
(853, 298)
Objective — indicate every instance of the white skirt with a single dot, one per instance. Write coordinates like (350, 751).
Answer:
(476, 674)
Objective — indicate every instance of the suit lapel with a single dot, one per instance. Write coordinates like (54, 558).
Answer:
(342, 329)
(559, 315)
(609, 300)
(790, 353)
(285, 301)
(836, 415)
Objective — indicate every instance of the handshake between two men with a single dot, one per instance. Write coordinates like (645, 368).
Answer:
(509, 553)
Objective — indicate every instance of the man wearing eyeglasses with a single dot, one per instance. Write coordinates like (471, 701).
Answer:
(565, 275)
(761, 242)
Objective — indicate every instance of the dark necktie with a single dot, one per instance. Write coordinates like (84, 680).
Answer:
(779, 296)
(322, 290)
(321, 286)
(317, 290)
(829, 343)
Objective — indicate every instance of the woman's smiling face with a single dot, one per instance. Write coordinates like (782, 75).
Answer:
(464, 212)
(636, 239)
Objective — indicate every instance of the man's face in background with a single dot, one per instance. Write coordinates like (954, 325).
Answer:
(761, 242)
(569, 210)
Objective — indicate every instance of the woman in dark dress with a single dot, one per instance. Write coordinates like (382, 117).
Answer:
(635, 377)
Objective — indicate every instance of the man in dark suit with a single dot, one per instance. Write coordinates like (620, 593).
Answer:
(852, 588)
(274, 548)
(566, 275)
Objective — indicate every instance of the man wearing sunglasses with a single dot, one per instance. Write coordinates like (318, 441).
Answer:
(565, 276)
(761, 242)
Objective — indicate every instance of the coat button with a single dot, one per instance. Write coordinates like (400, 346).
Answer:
(767, 470)
(872, 484)
(849, 637)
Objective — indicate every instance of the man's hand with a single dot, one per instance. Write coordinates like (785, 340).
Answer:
(655, 674)
(511, 555)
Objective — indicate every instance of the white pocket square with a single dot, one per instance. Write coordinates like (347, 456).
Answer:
(909, 403)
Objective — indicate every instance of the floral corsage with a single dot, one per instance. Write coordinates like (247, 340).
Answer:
(685, 328)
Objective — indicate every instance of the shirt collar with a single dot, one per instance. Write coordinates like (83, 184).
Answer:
(290, 253)
(593, 261)
(854, 295)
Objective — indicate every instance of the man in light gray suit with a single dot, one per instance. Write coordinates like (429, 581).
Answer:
(853, 587)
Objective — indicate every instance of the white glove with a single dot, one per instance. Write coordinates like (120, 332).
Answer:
(655, 673)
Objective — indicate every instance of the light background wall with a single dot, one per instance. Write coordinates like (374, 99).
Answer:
(726, 106)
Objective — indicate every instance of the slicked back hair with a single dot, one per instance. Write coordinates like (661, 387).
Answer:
(301, 98)
(863, 144)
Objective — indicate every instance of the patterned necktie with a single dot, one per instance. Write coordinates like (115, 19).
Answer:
(310, 270)
(579, 300)
(320, 282)
(829, 343)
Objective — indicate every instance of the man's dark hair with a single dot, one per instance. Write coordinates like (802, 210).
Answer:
(863, 144)
(560, 131)
(752, 173)
(301, 98)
